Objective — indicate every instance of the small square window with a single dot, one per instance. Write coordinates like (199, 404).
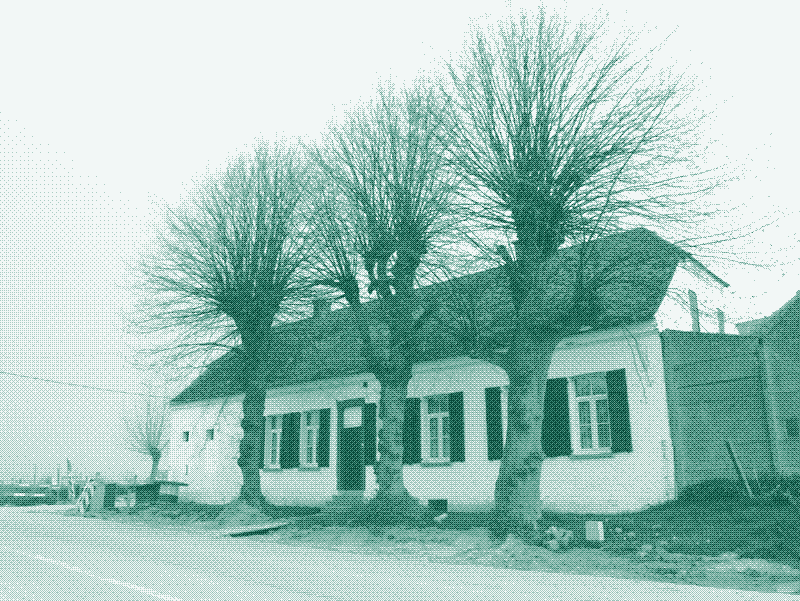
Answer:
(210, 434)
(186, 436)
(792, 427)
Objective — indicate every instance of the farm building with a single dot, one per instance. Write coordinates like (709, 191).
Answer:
(637, 407)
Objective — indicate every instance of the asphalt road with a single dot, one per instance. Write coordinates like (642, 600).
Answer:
(48, 556)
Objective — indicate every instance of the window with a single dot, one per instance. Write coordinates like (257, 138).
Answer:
(586, 414)
(272, 452)
(438, 428)
(591, 400)
(309, 434)
(186, 436)
(295, 439)
(433, 429)
(210, 434)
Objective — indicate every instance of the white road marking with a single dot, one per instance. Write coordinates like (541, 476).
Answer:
(146, 591)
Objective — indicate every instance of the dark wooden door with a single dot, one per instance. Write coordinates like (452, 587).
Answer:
(350, 447)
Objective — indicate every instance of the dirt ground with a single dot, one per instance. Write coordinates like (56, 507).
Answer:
(474, 546)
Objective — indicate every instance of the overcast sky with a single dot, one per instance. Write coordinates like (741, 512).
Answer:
(107, 111)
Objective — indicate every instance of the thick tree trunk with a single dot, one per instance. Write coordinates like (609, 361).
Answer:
(251, 447)
(517, 493)
(395, 357)
(156, 456)
(389, 470)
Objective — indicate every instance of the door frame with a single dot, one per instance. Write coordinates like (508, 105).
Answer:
(346, 457)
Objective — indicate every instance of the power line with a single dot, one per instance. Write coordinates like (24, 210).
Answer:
(8, 373)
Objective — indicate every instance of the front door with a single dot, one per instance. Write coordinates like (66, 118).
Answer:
(350, 447)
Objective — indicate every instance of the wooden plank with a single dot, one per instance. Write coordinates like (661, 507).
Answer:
(739, 467)
(257, 528)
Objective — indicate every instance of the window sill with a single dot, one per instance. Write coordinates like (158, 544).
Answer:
(271, 469)
(308, 468)
(591, 455)
(435, 463)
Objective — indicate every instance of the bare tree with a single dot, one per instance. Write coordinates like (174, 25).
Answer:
(563, 140)
(225, 266)
(148, 429)
(388, 206)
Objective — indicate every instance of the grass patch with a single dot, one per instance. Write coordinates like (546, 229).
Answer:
(711, 518)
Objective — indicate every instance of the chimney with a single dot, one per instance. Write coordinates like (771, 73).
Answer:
(321, 306)
(721, 320)
(694, 311)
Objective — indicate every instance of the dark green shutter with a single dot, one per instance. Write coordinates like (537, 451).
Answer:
(290, 440)
(370, 434)
(324, 438)
(619, 412)
(555, 423)
(267, 443)
(262, 455)
(412, 433)
(455, 408)
(494, 424)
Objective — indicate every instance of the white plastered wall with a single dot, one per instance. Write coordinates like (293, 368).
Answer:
(208, 467)
(621, 482)
(674, 313)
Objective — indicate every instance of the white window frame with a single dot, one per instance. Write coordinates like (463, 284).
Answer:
(592, 399)
(309, 435)
(442, 419)
(273, 442)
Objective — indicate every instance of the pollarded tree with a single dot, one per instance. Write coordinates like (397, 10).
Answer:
(388, 206)
(563, 139)
(148, 429)
(225, 265)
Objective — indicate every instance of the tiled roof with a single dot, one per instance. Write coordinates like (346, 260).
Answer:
(630, 276)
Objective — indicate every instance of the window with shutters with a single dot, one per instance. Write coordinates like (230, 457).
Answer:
(586, 414)
(272, 452)
(309, 434)
(600, 422)
(434, 429)
(299, 439)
